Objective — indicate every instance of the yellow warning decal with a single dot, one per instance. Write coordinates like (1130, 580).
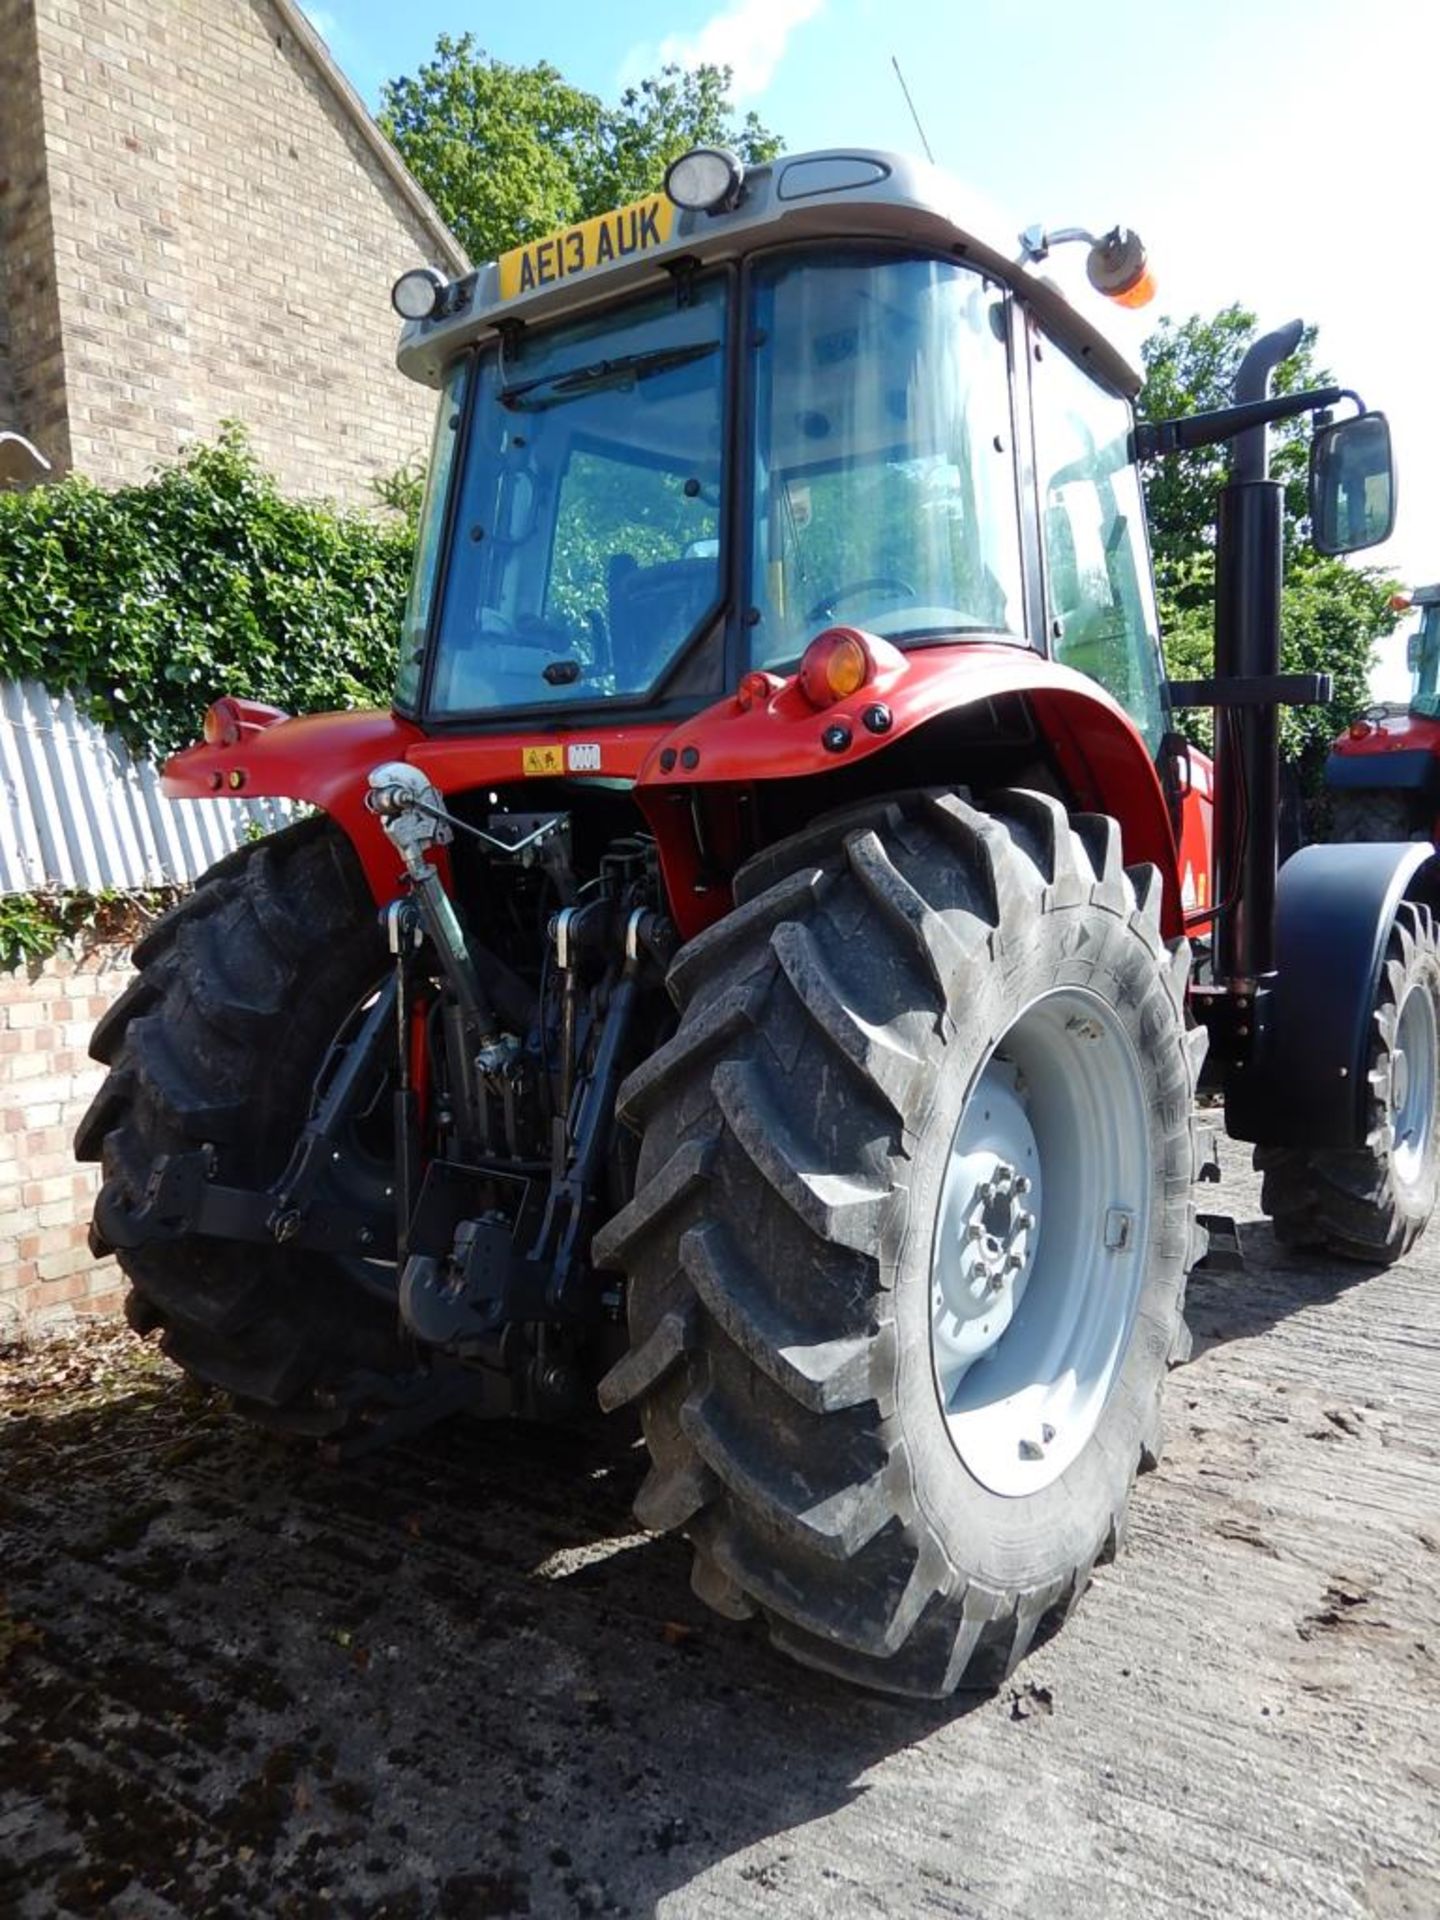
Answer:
(535, 760)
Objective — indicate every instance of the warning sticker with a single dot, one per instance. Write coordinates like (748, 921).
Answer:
(583, 759)
(535, 760)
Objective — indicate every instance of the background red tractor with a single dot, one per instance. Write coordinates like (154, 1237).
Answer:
(751, 968)
(1383, 772)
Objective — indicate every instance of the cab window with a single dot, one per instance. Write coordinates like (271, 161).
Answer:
(1097, 565)
(585, 550)
(884, 473)
(432, 521)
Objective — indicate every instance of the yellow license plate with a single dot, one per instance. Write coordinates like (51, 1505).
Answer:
(602, 242)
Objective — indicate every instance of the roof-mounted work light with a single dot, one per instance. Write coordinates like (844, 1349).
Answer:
(416, 294)
(705, 180)
(1117, 265)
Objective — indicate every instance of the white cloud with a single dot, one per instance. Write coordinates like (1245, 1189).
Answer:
(749, 37)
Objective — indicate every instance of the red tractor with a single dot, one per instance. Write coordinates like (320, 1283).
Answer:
(1383, 773)
(749, 971)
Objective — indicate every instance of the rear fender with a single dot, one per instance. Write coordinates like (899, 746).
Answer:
(1304, 1084)
(322, 758)
(1400, 751)
(1415, 771)
(777, 734)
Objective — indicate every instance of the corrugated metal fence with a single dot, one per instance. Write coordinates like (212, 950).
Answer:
(78, 811)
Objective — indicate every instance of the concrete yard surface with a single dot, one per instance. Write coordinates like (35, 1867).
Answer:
(455, 1680)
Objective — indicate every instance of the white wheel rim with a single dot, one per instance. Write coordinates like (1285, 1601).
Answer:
(1034, 1287)
(1412, 1085)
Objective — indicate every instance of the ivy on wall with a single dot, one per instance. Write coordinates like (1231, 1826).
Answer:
(148, 601)
(32, 925)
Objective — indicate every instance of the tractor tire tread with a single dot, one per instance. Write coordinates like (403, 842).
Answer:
(758, 1239)
(218, 1017)
(1345, 1201)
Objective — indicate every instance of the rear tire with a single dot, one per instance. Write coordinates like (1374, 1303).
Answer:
(786, 1242)
(1373, 816)
(1371, 1203)
(241, 991)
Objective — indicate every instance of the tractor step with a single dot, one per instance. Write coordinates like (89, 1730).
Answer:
(1224, 1254)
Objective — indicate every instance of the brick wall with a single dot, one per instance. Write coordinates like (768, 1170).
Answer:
(224, 240)
(47, 1079)
(32, 364)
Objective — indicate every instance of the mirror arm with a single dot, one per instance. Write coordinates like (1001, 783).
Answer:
(1150, 439)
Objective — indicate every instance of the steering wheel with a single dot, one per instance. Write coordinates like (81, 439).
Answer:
(526, 630)
(877, 583)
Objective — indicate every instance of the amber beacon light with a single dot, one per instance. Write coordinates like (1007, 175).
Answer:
(1116, 266)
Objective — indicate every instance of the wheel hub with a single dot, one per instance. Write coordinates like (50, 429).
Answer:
(997, 1229)
(987, 1247)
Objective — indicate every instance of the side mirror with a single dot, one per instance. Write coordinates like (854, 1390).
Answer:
(1352, 485)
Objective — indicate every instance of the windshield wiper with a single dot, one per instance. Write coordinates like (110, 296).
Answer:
(529, 396)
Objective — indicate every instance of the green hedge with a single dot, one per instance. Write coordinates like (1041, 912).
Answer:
(150, 600)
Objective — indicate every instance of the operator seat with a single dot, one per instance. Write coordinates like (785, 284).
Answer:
(653, 611)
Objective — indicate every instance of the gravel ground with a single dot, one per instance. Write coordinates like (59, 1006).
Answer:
(455, 1680)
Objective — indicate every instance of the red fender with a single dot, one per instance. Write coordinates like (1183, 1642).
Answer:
(1395, 733)
(323, 758)
(770, 731)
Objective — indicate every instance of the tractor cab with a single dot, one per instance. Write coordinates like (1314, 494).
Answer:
(1383, 773)
(676, 444)
(1422, 654)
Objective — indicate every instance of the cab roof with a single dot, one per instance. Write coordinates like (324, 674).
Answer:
(834, 193)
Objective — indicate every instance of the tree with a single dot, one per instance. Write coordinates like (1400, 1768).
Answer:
(655, 122)
(510, 153)
(497, 148)
(1332, 613)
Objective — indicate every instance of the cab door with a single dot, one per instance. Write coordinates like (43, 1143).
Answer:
(1100, 602)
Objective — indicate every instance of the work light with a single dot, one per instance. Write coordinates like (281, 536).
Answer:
(705, 180)
(416, 294)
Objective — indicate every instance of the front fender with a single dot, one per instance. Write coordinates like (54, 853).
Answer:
(1304, 1084)
(322, 758)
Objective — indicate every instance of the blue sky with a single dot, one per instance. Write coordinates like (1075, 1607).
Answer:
(1278, 154)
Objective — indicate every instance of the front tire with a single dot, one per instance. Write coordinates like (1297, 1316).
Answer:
(1372, 1202)
(815, 1147)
